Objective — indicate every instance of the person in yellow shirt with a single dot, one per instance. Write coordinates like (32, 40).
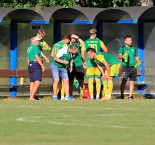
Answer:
(92, 71)
(112, 65)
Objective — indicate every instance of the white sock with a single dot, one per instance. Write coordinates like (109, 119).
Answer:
(97, 96)
(92, 97)
(109, 96)
(62, 98)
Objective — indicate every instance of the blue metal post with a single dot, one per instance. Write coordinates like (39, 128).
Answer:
(141, 53)
(99, 28)
(13, 56)
(141, 49)
(57, 31)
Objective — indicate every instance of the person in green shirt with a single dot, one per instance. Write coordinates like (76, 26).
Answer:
(59, 68)
(64, 42)
(129, 57)
(35, 65)
(112, 65)
(56, 47)
(42, 44)
(92, 71)
(77, 73)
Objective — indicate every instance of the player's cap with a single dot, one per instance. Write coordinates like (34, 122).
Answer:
(36, 39)
(93, 31)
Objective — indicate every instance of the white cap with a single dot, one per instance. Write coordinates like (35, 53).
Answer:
(36, 39)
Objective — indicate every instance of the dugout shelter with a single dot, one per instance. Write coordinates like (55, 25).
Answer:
(17, 26)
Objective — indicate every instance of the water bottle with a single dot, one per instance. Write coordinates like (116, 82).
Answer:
(21, 81)
(76, 83)
(126, 56)
(138, 64)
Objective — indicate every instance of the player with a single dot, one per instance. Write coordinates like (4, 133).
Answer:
(56, 47)
(112, 65)
(92, 71)
(128, 54)
(59, 69)
(35, 65)
(39, 36)
(78, 70)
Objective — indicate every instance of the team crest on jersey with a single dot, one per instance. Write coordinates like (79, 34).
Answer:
(132, 50)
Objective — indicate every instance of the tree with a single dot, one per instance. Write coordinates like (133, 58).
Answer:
(72, 3)
(109, 3)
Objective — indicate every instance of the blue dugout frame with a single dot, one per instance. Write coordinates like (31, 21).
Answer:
(57, 37)
(14, 51)
(140, 44)
(13, 56)
(14, 47)
(141, 53)
(99, 27)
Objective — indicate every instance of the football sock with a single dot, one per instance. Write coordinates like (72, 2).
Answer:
(59, 87)
(62, 97)
(110, 87)
(62, 90)
(81, 92)
(97, 96)
(91, 97)
(90, 86)
(105, 88)
(98, 85)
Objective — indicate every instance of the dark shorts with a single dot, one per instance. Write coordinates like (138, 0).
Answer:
(129, 72)
(77, 72)
(35, 71)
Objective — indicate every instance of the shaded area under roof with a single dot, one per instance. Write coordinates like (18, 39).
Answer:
(148, 15)
(4, 12)
(113, 15)
(135, 12)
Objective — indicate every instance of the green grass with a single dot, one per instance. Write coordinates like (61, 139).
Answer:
(46, 122)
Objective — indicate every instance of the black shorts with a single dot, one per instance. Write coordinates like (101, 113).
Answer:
(129, 72)
(35, 72)
(77, 72)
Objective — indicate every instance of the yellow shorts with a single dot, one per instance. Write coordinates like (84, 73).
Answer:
(114, 70)
(93, 72)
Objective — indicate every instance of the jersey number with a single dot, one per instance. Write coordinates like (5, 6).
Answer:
(93, 46)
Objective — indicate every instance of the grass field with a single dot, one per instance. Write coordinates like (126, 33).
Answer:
(46, 122)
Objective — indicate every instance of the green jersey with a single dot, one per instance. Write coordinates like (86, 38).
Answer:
(97, 44)
(102, 56)
(63, 54)
(77, 60)
(132, 53)
(56, 48)
(32, 51)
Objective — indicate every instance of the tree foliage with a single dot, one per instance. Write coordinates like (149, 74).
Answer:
(68, 3)
(108, 3)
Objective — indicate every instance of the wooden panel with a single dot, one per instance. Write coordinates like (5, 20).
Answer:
(7, 73)
(47, 73)
(24, 73)
(21, 73)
